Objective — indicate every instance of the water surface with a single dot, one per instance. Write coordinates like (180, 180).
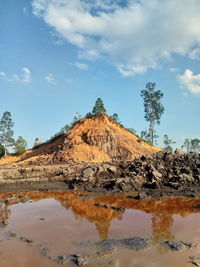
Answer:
(63, 223)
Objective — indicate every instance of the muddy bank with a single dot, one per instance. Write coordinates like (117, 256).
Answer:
(160, 174)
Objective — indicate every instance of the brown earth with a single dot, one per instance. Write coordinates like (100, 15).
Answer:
(96, 139)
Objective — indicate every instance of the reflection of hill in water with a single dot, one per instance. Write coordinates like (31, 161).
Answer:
(162, 210)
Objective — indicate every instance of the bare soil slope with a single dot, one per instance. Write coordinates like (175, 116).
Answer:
(97, 139)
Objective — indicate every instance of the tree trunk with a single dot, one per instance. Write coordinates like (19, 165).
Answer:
(151, 131)
(5, 152)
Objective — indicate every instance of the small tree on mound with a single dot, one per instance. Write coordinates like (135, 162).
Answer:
(168, 143)
(115, 117)
(20, 145)
(98, 107)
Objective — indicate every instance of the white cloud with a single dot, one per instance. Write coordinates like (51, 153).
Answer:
(195, 53)
(50, 78)
(190, 82)
(25, 77)
(2, 74)
(81, 66)
(135, 37)
(174, 69)
(89, 55)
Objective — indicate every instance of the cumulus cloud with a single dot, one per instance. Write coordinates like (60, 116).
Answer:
(24, 78)
(190, 82)
(50, 78)
(81, 66)
(134, 37)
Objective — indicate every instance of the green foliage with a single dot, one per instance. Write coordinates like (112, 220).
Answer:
(115, 117)
(153, 108)
(98, 107)
(76, 118)
(195, 145)
(6, 130)
(2, 150)
(168, 143)
(192, 145)
(144, 135)
(186, 144)
(20, 145)
(89, 115)
(37, 143)
(64, 129)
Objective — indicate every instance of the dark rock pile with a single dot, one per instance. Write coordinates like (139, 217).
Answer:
(175, 170)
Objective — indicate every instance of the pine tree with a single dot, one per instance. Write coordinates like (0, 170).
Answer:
(6, 131)
(115, 117)
(99, 107)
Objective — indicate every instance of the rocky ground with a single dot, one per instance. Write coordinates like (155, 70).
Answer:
(159, 174)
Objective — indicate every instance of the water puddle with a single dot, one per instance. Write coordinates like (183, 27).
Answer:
(52, 228)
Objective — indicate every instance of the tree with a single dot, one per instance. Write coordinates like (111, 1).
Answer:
(145, 136)
(64, 129)
(89, 115)
(168, 143)
(2, 150)
(20, 145)
(115, 117)
(98, 107)
(37, 142)
(76, 118)
(186, 144)
(195, 145)
(153, 108)
(6, 131)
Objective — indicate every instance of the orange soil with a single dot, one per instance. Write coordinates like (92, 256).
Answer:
(97, 139)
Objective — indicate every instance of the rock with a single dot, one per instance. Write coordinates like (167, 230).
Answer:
(157, 175)
(142, 195)
(174, 246)
(79, 260)
(136, 243)
(194, 260)
(88, 172)
(180, 152)
(138, 182)
(62, 259)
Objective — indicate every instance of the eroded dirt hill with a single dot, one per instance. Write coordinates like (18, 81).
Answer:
(96, 139)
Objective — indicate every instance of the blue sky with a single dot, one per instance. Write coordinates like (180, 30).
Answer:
(58, 56)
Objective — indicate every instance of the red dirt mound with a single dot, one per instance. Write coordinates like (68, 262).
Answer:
(96, 139)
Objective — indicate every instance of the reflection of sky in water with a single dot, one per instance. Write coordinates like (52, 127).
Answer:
(157, 216)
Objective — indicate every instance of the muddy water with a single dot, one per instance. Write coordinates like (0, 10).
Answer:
(37, 227)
